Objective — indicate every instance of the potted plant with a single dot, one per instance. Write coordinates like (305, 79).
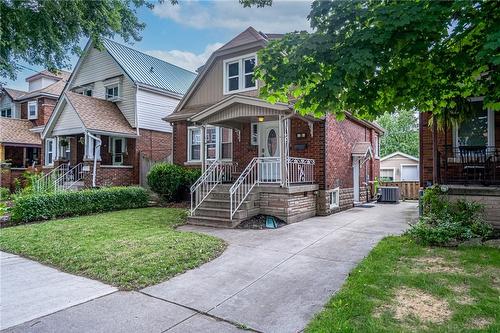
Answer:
(64, 142)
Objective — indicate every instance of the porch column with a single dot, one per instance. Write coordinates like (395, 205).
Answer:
(24, 157)
(282, 147)
(202, 149)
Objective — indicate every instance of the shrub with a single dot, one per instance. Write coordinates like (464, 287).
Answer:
(44, 206)
(4, 193)
(445, 222)
(171, 181)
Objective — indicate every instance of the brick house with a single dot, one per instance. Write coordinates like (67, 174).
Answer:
(464, 156)
(263, 158)
(109, 116)
(23, 117)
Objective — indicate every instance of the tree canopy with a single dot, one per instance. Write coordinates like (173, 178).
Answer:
(371, 57)
(47, 32)
(401, 132)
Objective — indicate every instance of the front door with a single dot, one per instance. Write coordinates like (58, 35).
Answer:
(269, 149)
(355, 178)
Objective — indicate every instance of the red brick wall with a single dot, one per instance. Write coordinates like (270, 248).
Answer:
(179, 148)
(243, 151)
(45, 108)
(340, 139)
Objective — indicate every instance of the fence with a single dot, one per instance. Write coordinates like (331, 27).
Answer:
(409, 189)
(145, 164)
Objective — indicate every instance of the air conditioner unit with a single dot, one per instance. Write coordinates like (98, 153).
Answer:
(389, 194)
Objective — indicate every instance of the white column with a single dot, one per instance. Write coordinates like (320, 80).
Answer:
(97, 150)
(56, 149)
(202, 149)
(282, 148)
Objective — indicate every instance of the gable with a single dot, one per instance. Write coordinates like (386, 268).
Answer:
(210, 88)
(68, 122)
(96, 66)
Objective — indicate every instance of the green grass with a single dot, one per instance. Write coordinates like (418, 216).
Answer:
(129, 249)
(467, 279)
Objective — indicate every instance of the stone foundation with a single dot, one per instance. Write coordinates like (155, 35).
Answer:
(346, 200)
(488, 196)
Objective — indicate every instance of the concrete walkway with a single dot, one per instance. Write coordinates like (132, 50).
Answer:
(30, 290)
(267, 280)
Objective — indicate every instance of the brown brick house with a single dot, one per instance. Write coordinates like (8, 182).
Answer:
(23, 117)
(109, 116)
(464, 157)
(275, 161)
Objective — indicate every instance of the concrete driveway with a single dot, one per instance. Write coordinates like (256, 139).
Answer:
(266, 280)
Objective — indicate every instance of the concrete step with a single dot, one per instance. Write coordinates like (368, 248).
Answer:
(225, 204)
(215, 222)
(225, 213)
(224, 195)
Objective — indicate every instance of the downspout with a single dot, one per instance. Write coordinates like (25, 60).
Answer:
(98, 145)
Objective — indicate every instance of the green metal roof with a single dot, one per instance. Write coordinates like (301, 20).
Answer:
(151, 71)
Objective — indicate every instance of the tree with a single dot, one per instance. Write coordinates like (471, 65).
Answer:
(372, 57)
(46, 32)
(401, 132)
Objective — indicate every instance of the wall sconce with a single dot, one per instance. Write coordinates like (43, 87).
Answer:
(261, 119)
(301, 135)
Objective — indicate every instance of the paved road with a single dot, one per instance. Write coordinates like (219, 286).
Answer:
(266, 280)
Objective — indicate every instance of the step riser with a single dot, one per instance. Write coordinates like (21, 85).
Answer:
(226, 196)
(225, 205)
(210, 223)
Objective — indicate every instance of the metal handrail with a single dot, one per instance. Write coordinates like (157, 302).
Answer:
(243, 185)
(77, 171)
(42, 184)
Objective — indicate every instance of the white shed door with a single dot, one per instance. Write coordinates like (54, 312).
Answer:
(409, 172)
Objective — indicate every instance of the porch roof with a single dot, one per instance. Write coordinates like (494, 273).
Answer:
(17, 131)
(362, 149)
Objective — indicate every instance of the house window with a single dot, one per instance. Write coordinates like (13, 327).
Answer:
(6, 113)
(49, 151)
(387, 174)
(218, 143)
(87, 92)
(226, 144)
(239, 74)
(377, 146)
(194, 140)
(478, 130)
(117, 148)
(254, 136)
(335, 198)
(112, 92)
(32, 110)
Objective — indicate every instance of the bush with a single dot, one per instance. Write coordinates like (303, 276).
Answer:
(44, 206)
(171, 181)
(446, 223)
(4, 194)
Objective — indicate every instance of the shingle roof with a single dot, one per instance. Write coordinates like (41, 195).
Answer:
(14, 93)
(99, 115)
(55, 89)
(247, 36)
(18, 131)
(148, 70)
(59, 75)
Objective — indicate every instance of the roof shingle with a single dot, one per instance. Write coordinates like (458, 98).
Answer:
(99, 115)
(17, 131)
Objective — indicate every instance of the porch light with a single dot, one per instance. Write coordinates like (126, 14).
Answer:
(261, 119)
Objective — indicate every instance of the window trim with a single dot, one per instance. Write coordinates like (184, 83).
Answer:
(112, 86)
(5, 110)
(254, 135)
(52, 152)
(241, 75)
(388, 168)
(218, 144)
(490, 126)
(111, 149)
(35, 103)
(335, 192)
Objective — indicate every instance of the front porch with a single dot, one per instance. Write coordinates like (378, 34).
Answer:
(256, 174)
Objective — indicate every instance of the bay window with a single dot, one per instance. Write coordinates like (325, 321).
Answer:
(218, 143)
(239, 74)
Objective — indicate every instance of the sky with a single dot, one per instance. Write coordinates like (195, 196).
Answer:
(186, 34)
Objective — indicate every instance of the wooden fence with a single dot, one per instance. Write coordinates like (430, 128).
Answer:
(409, 189)
(145, 164)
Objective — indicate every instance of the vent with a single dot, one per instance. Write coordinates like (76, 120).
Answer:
(389, 194)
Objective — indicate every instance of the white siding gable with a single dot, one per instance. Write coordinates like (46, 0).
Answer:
(99, 66)
(68, 122)
(152, 107)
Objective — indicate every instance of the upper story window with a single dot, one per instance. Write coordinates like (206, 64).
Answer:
(239, 74)
(6, 113)
(112, 92)
(32, 110)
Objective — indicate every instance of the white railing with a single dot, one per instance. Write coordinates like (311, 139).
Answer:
(300, 170)
(217, 172)
(70, 178)
(266, 170)
(47, 182)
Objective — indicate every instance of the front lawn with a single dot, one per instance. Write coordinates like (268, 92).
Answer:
(129, 249)
(404, 287)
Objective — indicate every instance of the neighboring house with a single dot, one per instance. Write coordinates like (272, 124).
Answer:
(23, 117)
(279, 162)
(465, 157)
(399, 166)
(111, 112)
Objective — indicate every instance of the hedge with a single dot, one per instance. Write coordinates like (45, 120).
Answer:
(44, 206)
(171, 181)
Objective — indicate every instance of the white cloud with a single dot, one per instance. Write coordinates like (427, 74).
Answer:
(282, 16)
(186, 59)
